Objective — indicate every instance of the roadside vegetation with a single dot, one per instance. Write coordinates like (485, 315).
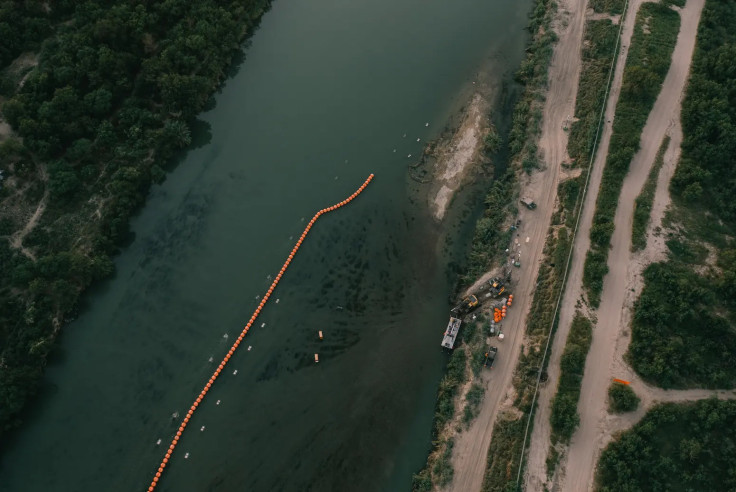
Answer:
(621, 398)
(564, 418)
(492, 236)
(683, 330)
(504, 454)
(110, 104)
(613, 7)
(643, 209)
(675, 447)
(648, 61)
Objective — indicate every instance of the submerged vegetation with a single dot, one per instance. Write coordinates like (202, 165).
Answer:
(647, 63)
(108, 106)
(675, 447)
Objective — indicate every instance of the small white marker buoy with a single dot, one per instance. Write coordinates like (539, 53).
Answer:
(426, 124)
(277, 301)
(250, 347)
(186, 456)
(158, 443)
(235, 372)
(210, 359)
(418, 140)
(202, 429)
(408, 155)
(263, 325)
(218, 402)
(394, 150)
(225, 336)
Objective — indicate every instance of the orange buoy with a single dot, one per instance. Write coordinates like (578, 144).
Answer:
(247, 327)
(320, 335)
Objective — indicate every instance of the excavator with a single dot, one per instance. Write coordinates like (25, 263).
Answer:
(466, 305)
(496, 287)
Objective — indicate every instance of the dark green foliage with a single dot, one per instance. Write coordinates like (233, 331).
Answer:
(646, 67)
(621, 398)
(472, 402)
(678, 337)
(23, 24)
(564, 417)
(454, 377)
(643, 209)
(705, 172)
(608, 6)
(110, 103)
(676, 448)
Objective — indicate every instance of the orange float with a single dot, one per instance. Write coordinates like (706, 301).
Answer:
(235, 345)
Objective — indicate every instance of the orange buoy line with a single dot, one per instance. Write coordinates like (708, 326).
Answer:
(230, 353)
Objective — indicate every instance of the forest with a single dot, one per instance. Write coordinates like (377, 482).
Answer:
(676, 447)
(109, 104)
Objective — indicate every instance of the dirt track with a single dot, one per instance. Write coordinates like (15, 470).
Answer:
(540, 441)
(471, 447)
(587, 442)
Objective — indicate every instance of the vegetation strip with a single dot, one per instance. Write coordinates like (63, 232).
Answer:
(647, 64)
(643, 209)
(110, 104)
(564, 418)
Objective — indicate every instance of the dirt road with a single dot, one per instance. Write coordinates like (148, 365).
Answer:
(471, 447)
(588, 440)
(539, 444)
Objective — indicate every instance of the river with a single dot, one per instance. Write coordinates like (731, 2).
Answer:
(327, 91)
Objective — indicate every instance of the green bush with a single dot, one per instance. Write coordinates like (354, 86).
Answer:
(621, 398)
(608, 6)
(564, 418)
(675, 447)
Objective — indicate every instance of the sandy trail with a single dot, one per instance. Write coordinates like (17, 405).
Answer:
(587, 442)
(471, 447)
(16, 240)
(539, 444)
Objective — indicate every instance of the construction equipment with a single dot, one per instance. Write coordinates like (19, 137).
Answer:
(490, 357)
(496, 287)
(466, 305)
(529, 203)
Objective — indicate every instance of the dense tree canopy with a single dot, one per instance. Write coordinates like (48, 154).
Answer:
(674, 448)
(110, 103)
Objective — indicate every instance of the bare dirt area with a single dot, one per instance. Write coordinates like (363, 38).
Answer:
(456, 156)
(536, 477)
(613, 314)
(471, 447)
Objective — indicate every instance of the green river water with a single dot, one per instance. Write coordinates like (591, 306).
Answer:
(326, 92)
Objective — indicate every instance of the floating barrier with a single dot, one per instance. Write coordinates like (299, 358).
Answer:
(208, 385)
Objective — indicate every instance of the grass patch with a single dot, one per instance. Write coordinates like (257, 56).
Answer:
(472, 401)
(564, 418)
(676, 447)
(655, 34)
(621, 398)
(553, 459)
(643, 209)
(613, 7)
